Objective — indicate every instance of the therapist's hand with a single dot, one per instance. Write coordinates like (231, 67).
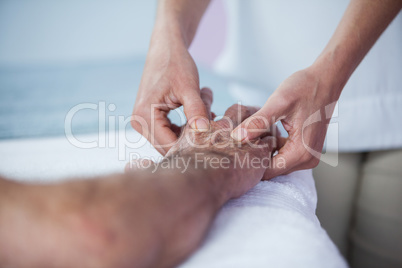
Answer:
(295, 102)
(305, 101)
(170, 80)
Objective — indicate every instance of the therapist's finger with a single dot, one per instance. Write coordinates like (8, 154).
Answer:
(207, 98)
(156, 127)
(259, 123)
(269, 142)
(291, 157)
(163, 137)
(195, 110)
(284, 162)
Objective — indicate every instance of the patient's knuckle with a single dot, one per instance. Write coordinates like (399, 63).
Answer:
(233, 108)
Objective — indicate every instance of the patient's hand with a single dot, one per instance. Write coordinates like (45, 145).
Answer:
(244, 163)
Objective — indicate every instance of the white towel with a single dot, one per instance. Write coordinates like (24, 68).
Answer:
(273, 225)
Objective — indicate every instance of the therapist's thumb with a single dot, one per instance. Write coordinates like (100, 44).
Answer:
(196, 110)
(256, 125)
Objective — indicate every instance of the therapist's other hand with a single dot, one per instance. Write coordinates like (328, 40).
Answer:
(170, 80)
(295, 102)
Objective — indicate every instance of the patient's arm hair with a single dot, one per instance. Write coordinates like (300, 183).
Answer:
(144, 218)
(140, 219)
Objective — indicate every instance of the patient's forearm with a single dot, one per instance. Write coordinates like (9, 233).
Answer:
(140, 220)
(187, 204)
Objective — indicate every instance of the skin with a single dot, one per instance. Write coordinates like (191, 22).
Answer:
(170, 78)
(142, 218)
(314, 88)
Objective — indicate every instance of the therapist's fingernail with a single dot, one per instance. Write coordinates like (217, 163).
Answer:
(200, 124)
(239, 134)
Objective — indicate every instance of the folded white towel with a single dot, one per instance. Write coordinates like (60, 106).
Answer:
(273, 225)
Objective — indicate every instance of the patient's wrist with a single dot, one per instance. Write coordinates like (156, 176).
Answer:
(216, 167)
(203, 161)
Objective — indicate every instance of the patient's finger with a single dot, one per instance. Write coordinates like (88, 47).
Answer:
(207, 98)
(213, 115)
(267, 143)
(238, 113)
